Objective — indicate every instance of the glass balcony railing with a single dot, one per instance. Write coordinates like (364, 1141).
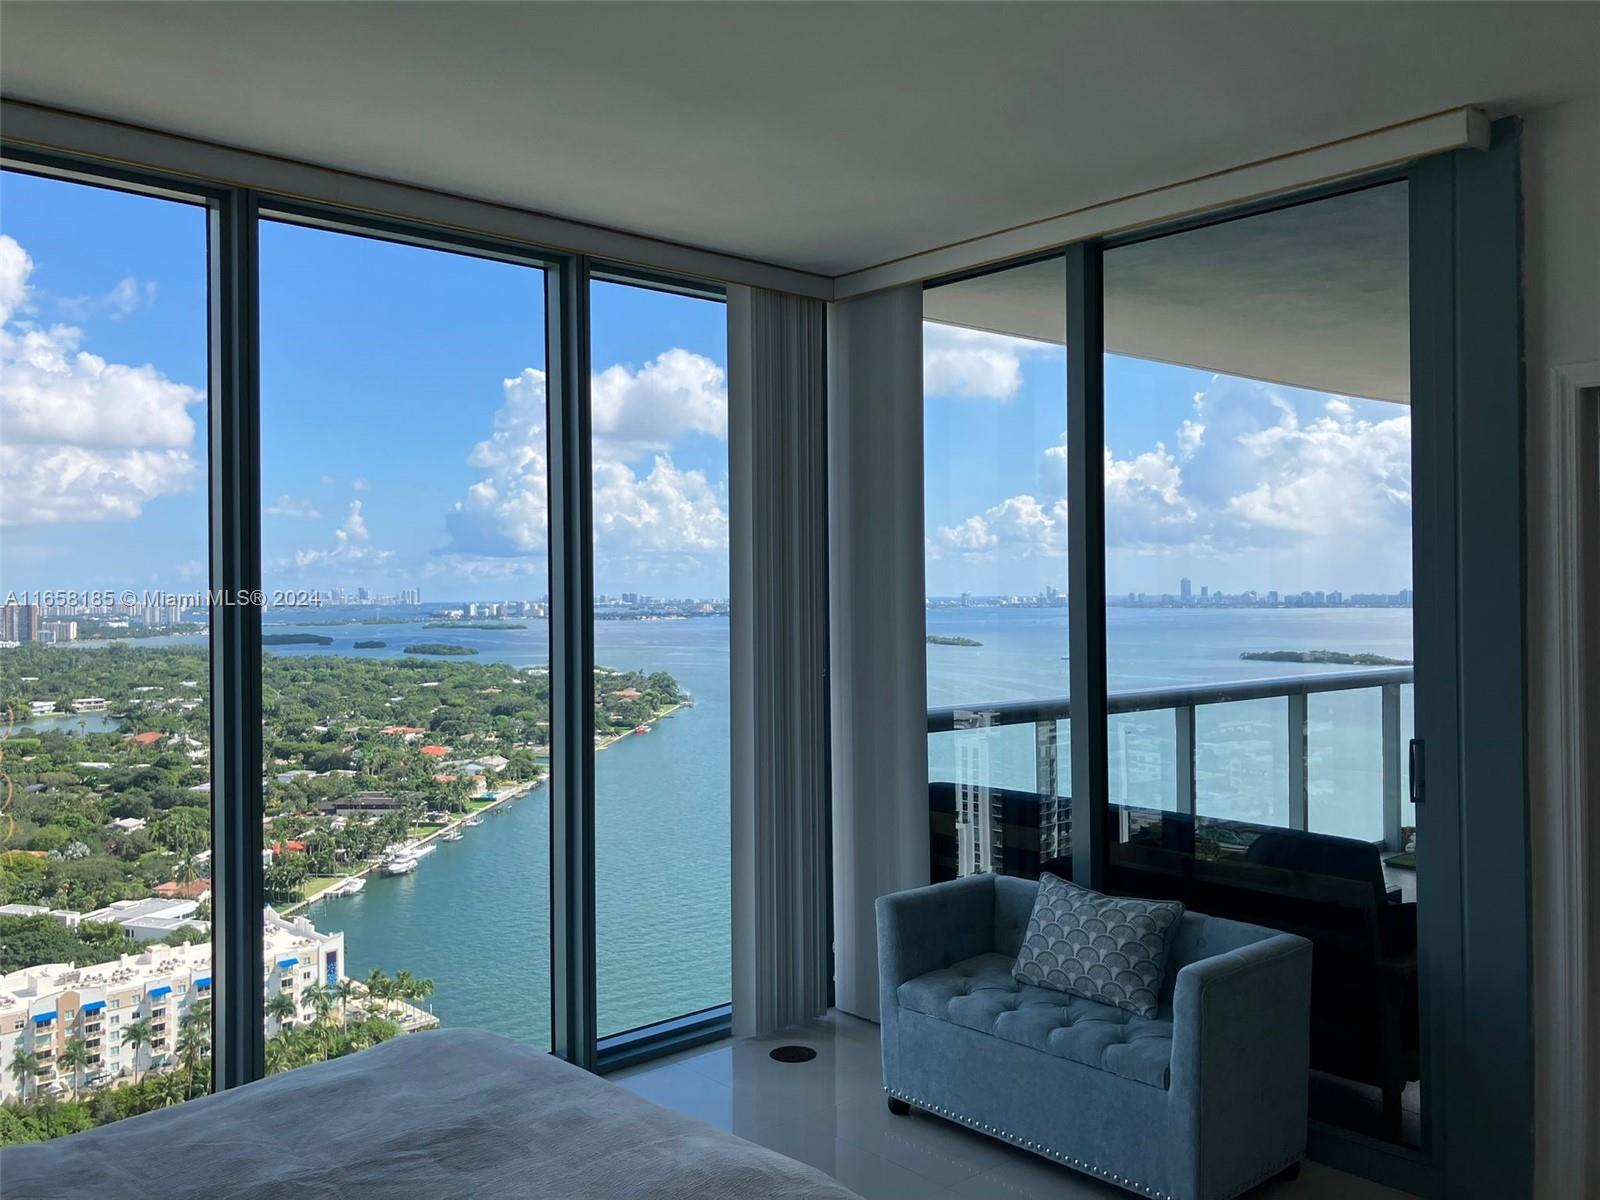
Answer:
(1322, 754)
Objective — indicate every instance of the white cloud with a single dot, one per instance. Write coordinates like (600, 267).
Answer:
(1144, 499)
(127, 297)
(85, 439)
(352, 544)
(667, 512)
(328, 481)
(1252, 476)
(972, 363)
(359, 484)
(15, 267)
(1020, 526)
(506, 512)
(668, 515)
(642, 412)
(292, 506)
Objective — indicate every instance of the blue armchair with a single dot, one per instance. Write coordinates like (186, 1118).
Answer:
(1201, 1102)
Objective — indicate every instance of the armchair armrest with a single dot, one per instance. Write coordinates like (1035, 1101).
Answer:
(1241, 1048)
(931, 927)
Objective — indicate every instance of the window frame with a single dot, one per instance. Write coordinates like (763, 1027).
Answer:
(234, 215)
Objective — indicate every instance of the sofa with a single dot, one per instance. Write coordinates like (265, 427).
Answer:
(1203, 1101)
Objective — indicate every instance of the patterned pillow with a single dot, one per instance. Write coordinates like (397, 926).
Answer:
(1107, 948)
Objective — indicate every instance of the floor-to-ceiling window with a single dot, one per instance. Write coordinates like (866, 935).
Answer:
(659, 405)
(405, 674)
(105, 795)
(995, 468)
(1258, 551)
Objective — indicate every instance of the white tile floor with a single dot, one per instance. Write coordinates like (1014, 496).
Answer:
(830, 1113)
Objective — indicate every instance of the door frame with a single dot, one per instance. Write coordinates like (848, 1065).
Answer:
(1469, 552)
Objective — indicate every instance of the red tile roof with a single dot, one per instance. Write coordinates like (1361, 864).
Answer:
(436, 751)
(146, 739)
(195, 889)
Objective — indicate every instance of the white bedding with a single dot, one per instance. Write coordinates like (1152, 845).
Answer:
(455, 1113)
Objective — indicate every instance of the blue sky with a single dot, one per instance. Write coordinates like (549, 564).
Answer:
(1233, 483)
(402, 422)
(403, 432)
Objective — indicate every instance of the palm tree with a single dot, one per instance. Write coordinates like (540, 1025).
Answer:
(380, 987)
(405, 986)
(171, 1089)
(422, 989)
(321, 999)
(281, 1008)
(137, 1034)
(75, 1057)
(194, 1041)
(278, 1053)
(186, 871)
(24, 1066)
(345, 989)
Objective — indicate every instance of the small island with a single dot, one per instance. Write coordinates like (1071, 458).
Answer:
(468, 625)
(1329, 658)
(939, 639)
(370, 645)
(295, 639)
(439, 648)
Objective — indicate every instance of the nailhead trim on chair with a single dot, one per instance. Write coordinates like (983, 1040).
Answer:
(1045, 1151)
(1066, 1160)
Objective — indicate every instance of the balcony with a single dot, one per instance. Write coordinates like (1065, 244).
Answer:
(1175, 751)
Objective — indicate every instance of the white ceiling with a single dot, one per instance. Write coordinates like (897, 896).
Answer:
(825, 137)
(1316, 296)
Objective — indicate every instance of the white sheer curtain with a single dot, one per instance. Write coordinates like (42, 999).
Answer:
(779, 553)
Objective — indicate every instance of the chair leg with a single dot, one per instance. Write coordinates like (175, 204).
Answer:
(899, 1107)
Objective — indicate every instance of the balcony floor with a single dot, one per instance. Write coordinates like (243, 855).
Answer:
(830, 1113)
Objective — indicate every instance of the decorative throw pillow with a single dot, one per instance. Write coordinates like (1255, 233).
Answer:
(1107, 948)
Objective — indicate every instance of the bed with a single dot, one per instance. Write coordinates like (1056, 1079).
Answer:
(450, 1113)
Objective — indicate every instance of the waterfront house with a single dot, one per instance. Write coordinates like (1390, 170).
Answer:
(363, 804)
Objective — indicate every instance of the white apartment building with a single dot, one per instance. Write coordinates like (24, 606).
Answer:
(42, 1007)
(149, 919)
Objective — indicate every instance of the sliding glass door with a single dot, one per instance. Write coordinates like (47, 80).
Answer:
(1259, 609)
(1279, 608)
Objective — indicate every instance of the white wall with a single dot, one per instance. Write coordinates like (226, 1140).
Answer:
(1561, 192)
(879, 683)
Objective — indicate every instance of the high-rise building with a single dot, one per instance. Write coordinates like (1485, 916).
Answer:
(19, 623)
(1185, 590)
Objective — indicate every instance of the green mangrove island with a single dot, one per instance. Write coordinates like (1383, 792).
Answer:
(1330, 658)
(443, 648)
(939, 639)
